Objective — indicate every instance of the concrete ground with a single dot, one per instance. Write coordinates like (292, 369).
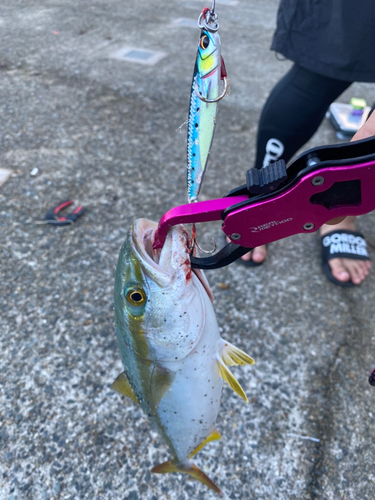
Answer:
(76, 123)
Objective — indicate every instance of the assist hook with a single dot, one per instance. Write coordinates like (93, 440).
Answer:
(218, 98)
(208, 19)
(195, 242)
(225, 90)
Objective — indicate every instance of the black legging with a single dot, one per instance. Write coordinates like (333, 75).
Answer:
(293, 112)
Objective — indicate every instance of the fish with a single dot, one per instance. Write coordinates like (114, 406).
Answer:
(209, 70)
(175, 361)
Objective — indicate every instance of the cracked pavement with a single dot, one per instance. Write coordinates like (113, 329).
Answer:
(102, 132)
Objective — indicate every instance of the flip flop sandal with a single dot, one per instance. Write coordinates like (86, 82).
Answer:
(342, 243)
(246, 263)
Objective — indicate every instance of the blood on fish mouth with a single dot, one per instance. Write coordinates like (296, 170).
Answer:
(146, 234)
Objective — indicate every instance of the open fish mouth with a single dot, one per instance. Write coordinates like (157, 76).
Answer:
(173, 257)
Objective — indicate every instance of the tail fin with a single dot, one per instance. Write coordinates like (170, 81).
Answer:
(190, 469)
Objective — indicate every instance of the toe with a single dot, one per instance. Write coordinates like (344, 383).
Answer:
(356, 274)
(339, 270)
(259, 254)
(350, 269)
(246, 257)
(358, 270)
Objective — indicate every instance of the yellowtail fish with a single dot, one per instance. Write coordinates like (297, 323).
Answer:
(174, 358)
(204, 96)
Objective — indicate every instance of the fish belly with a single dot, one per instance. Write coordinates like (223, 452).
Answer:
(188, 411)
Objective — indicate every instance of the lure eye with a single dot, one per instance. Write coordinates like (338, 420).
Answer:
(205, 42)
(136, 296)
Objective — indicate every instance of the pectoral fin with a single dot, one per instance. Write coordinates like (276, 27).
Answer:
(214, 436)
(161, 380)
(121, 385)
(190, 469)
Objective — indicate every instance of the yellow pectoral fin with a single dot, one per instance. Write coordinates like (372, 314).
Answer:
(231, 379)
(190, 469)
(161, 380)
(232, 355)
(121, 385)
(214, 436)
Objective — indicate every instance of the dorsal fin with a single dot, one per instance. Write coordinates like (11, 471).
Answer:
(232, 355)
(121, 385)
(214, 436)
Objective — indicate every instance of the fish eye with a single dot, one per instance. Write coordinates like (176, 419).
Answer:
(136, 296)
(205, 42)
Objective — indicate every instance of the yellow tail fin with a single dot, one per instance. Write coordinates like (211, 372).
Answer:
(190, 469)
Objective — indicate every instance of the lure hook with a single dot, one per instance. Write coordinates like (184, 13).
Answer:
(208, 19)
(218, 98)
(195, 242)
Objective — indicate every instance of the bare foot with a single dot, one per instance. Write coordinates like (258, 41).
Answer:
(344, 269)
(258, 254)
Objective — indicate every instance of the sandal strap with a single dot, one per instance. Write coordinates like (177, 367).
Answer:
(344, 243)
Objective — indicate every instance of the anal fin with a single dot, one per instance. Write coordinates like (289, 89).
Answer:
(214, 436)
(122, 385)
(231, 380)
(190, 469)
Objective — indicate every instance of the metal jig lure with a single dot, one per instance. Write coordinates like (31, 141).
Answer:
(209, 72)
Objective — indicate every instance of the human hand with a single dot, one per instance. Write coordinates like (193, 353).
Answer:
(367, 130)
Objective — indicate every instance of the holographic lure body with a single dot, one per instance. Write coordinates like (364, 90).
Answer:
(202, 114)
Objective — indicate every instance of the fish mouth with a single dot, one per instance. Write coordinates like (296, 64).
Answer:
(162, 264)
(141, 237)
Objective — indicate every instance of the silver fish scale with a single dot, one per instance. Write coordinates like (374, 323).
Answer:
(180, 336)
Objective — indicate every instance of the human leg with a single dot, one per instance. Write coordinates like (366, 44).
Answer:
(293, 112)
(290, 117)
